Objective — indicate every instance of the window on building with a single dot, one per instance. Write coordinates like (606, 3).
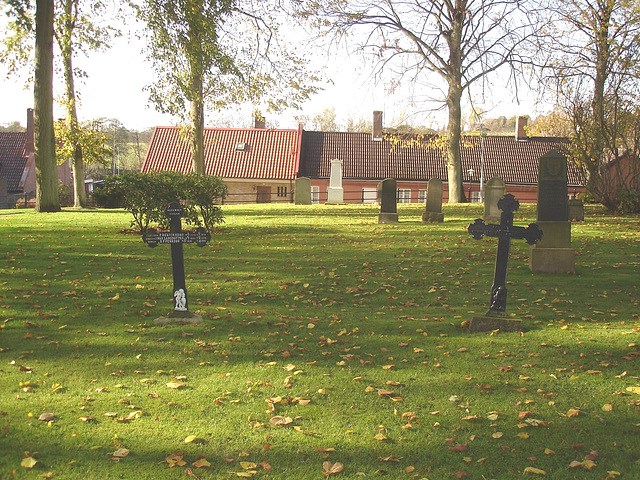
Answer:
(369, 195)
(475, 197)
(315, 194)
(404, 195)
(422, 196)
(282, 191)
(242, 147)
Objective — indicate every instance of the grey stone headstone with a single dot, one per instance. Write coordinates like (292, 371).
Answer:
(302, 191)
(387, 197)
(433, 208)
(553, 254)
(495, 189)
(553, 193)
(576, 210)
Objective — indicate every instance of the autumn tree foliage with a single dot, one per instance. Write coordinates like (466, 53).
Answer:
(220, 53)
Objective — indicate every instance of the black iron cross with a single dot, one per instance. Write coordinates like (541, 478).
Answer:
(505, 232)
(176, 237)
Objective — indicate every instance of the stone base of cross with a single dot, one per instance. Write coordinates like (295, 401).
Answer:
(496, 317)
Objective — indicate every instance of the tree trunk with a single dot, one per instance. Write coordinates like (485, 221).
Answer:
(454, 96)
(454, 159)
(47, 198)
(196, 114)
(77, 162)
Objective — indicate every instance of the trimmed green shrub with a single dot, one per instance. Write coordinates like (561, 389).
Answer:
(147, 195)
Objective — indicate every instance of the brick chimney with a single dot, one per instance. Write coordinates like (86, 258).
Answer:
(259, 121)
(377, 126)
(29, 145)
(521, 134)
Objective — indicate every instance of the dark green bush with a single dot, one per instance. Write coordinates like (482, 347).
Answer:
(107, 197)
(628, 201)
(147, 195)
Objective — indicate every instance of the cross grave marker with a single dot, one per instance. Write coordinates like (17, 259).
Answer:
(176, 237)
(505, 231)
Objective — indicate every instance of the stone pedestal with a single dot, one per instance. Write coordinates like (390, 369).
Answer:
(553, 254)
(335, 195)
(489, 323)
(552, 260)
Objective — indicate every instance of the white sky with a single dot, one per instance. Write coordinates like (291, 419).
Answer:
(116, 78)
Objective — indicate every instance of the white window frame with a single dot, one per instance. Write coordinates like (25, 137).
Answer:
(422, 196)
(315, 194)
(404, 195)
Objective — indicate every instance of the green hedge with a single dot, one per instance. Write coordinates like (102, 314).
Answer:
(147, 195)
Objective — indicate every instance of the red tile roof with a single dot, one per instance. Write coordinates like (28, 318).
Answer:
(13, 158)
(516, 162)
(269, 154)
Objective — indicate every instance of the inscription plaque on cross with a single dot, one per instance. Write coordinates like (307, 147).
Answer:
(176, 238)
(505, 231)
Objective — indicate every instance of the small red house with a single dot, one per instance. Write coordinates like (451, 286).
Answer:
(257, 164)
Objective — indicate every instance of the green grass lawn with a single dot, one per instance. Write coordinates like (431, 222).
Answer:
(330, 344)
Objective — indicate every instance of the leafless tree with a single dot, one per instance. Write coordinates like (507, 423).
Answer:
(590, 59)
(454, 44)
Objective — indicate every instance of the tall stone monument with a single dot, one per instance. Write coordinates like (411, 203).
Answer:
(388, 199)
(335, 192)
(302, 194)
(494, 191)
(433, 208)
(553, 254)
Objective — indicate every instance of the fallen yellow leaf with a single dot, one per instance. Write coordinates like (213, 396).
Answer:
(28, 462)
(536, 471)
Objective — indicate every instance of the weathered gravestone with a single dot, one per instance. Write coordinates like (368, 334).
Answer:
(496, 317)
(554, 253)
(494, 191)
(433, 208)
(576, 210)
(335, 192)
(176, 237)
(387, 197)
(302, 194)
